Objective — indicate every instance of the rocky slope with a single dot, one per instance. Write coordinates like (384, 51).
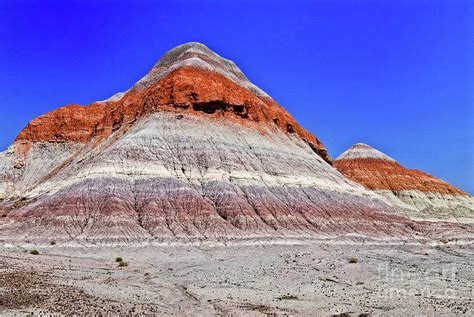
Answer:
(191, 151)
(419, 195)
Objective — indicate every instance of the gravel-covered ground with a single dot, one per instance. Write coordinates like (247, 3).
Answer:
(298, 278)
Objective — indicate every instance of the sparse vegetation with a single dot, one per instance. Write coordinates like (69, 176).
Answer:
(123, 264)
(19, 203)
(118, 259)
(353, 260)
(287, 296)
(34, 252)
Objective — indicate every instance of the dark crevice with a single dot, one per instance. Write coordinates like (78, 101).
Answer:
(118, 122)
(290, 128)
(323, 153)
(212, 107)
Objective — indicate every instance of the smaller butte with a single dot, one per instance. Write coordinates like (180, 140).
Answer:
(417, 194)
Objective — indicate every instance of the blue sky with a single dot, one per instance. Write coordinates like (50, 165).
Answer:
(397, 75)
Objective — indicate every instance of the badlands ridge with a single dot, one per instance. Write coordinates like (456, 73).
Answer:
(417, 194)
(195, 151)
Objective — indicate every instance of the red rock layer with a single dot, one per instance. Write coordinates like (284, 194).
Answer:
(186, 89)
(377, 174)
(112, 209)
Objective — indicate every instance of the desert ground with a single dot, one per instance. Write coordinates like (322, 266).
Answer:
(281, 278)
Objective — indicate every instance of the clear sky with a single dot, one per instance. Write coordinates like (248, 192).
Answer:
(397, 75)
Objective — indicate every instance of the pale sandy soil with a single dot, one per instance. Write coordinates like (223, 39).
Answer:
(303, 278)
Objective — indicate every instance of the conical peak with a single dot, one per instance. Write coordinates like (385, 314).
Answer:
(363, 151)
(189, 78)
(191, 48)
(361, 146)
(197, 55)
(416, 193)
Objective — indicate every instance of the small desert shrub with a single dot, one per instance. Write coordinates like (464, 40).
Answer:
(118, 259)
(287, 296)
(353, 260)
(342, 315)
(34, 252)
(123, 264)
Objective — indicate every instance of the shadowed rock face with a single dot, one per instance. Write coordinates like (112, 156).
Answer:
(192, 151)
(420, 195)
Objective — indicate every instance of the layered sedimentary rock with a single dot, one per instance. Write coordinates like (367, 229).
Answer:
(419, 195)
(192, 151)
(188, 79)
